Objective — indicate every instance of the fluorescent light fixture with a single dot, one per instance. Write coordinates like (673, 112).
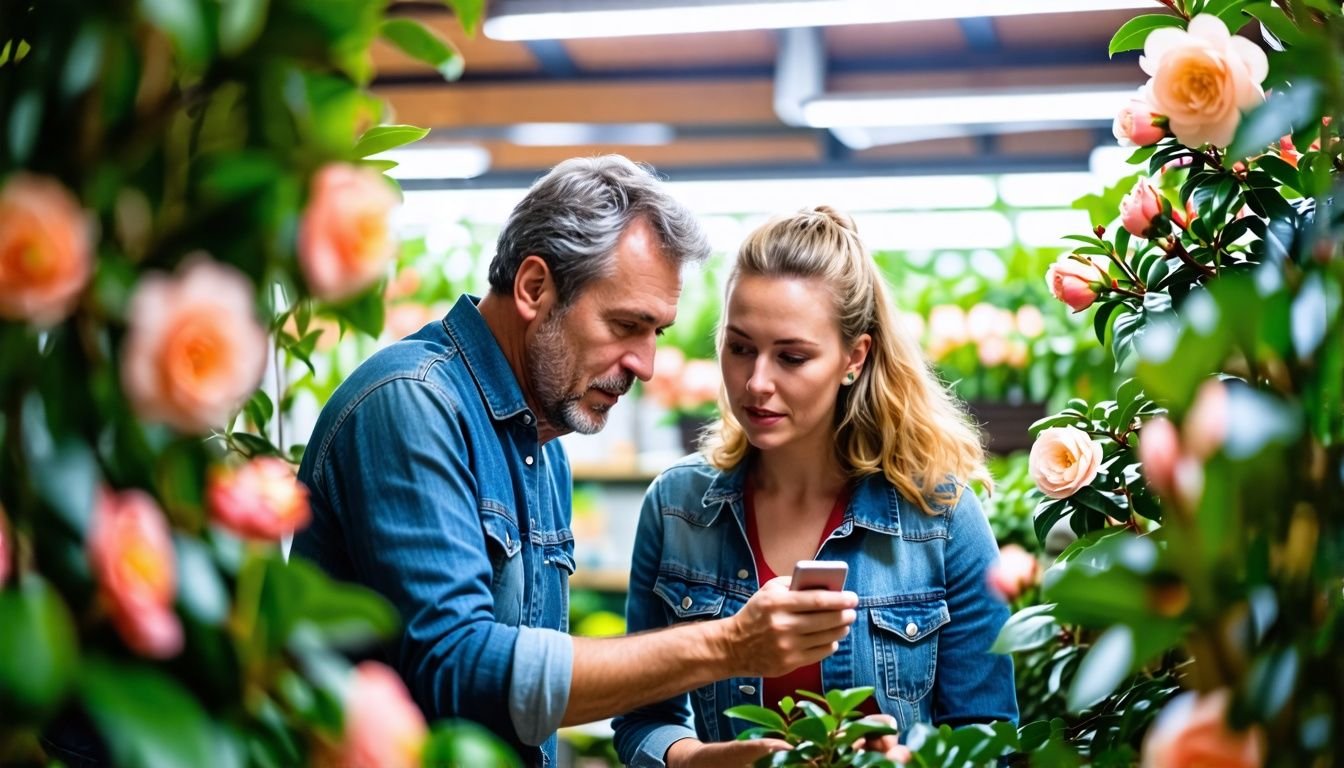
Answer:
(576, 134)
(890, 110)
(437, 161)
(867, 193)
(1046, 190)
(562, 19)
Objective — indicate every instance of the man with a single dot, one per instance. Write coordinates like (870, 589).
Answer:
(436, 479)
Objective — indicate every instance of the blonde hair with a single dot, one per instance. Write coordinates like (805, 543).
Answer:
(897, 418)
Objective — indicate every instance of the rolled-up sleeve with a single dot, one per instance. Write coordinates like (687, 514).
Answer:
(644, 735)
(543, 662)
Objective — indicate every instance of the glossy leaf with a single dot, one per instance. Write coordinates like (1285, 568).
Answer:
(146, 718)
(38, 651)
(384, 137)
(1134, 32)
(422, 44)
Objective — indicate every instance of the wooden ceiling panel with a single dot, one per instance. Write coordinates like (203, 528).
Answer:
(683, 102)
(1075, 141)
(960, 146)
(889, 41)
(1003, 77)
(704, 51)
(691, 152)
(1062, 30)
(481, 53)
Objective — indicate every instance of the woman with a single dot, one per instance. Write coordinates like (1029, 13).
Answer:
(836, 442)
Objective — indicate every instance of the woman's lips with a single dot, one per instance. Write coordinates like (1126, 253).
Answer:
(763, 417)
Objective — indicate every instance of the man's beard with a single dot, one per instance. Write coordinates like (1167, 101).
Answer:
(553, 359)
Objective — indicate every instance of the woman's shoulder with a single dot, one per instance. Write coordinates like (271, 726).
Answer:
(687, 474)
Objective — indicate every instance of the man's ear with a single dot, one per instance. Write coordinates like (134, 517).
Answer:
(533, 289)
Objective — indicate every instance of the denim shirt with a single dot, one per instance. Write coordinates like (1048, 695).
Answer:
(428, 484)
(926, 616)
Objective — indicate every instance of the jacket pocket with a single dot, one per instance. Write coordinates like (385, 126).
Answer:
(906, 637)
(688, 600)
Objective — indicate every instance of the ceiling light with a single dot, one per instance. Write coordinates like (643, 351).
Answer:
(437, 161)
(561, 19)
(967, 108)
(578, 134)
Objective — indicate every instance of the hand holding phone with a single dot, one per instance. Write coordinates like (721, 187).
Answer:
(819, 574)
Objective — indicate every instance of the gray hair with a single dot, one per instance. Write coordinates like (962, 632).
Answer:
(573, 216)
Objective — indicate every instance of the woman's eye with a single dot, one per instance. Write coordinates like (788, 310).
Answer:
(794, 360)
(738, 349)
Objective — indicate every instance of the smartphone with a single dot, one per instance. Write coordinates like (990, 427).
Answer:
(819, 574)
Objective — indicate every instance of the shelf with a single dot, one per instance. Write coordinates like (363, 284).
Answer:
(602, 579)
(611, 473)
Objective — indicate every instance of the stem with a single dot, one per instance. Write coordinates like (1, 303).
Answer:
(1178, 250)
(1127, 292)
(1172, 5)
(1134, 278)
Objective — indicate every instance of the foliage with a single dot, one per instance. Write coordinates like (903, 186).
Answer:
(822, 730)
(146, 138)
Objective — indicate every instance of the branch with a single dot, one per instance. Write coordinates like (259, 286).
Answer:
(1178, 250)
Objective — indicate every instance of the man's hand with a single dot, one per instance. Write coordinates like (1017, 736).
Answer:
(888, 745)
(689, 753)
(779, 630)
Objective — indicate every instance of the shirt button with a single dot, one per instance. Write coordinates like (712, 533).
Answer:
(911, 629)
(527, 460)
(687, 602)
(527, 418)
(742, 574)
(747, 689)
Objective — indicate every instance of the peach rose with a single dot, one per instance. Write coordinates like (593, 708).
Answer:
(45, 251)
(1202, 78)
(1030, 322)
(1192, 730)
(1205, 426)
(993, 351)
(1134, 126)
(1015, 571)
(1159, 451)
(1074, 282)
(345, 242)
(1018, 353)
(1064, 459)
(1140, 210)
(258, 500)
(665, 384)
(700, 381)
(131, 553)
(383, 727)
(6, 548)
(195, 351)
(984, 321)
(947, 329)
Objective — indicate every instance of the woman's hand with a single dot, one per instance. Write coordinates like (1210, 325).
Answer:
(887, 744)
(690, 753)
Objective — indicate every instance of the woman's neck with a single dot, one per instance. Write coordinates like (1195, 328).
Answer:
(798, 473)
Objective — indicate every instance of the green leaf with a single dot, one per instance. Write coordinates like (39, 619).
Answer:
(1105, 665)
(758, 715)
(1101, 321)
(65, 475)
(422, 44)
(1291, 106)
(811, 729)
(201, 591)
(259, 409)
(1029, 628)
(462, 742)
(1277, 22)
(1281, 170)
(83, 60)
(240, 24)
(844, 702)
(25, 118)
(38, 651)
(183, 23)
(384, 137)
(468, 13)
(297, 594)
(254, 445)
(1229, 12)
(1134, 32)
(365, 313)
(146, 717)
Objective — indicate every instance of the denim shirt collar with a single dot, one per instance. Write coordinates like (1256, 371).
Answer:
(490, 369)
(875, 503)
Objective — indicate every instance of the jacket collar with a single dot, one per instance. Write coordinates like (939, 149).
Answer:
(875, 503)
(485, 360)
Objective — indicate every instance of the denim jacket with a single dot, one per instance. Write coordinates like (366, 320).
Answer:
(926, 616)
(428, 484)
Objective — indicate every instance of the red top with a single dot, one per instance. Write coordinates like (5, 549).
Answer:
(807, 678)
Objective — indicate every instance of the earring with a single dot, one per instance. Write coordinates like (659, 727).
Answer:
(849, 378)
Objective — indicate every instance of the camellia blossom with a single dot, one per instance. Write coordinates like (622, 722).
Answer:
(45, 252)
(1063, 460)
(345, 239)
(1192, 730)
(261, 499)
(1075, 282)
(6, 548)
(1015, 571)
(383, 727)
(1140, 209)
(131, 554)
(1202, 78)
(195, 351)
(1159, 452)
(1133, 125)
(1205, 426)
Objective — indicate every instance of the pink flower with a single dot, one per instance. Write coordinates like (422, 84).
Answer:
(383, 727)
(1018, 353)
(195, 351)
(1030, 321)
(1192, 730)
(45, 256)
(131, 554)
(992, 351)
(1159, 451)
(345, 243)
(1075, 282)
(404, 319)
(6, 548)
(1015, 571)
(258, 500)
(1140, 209)
(1133, 126)
(700, 382)
(1064, 459)
(1202, 78)
(1205, 426)
(947, 329)
(984, 321)
(665, 385)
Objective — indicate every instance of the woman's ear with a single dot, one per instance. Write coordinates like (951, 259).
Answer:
(858, 355)
(533, 289)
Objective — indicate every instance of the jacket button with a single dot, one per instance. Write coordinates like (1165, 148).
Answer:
(527, 460)
(747, 689)
(527, 418)
(743, 573)
(911, 629)
(687, 602)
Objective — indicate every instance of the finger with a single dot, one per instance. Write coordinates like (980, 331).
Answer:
(813, 623)
(777, 584)
(810, 600)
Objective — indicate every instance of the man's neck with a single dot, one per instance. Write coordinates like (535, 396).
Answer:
(510, 332)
